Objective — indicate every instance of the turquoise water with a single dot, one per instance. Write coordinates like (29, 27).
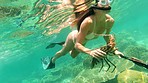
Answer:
(21, 47)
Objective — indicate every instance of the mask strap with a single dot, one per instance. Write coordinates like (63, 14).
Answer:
(100, 8)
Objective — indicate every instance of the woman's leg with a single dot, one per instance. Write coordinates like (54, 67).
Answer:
(68, 46)
(74, 53)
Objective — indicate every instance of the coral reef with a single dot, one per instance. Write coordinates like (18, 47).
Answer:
(9, 11)
(14, 8)
(132, 76)
(139, 52)
(62, 74)
(20, 34)
(136, 51)
(94, 76)
(124, 39)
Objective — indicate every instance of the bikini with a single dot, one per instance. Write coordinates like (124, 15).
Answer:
(92, 35)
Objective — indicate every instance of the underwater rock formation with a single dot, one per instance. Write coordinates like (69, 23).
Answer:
(139, 52)
(129, 46)
(136, 51)
(94, 76)
(132, 76)
(20, 34)
(62, 74)
(124, 39)
(9, 11)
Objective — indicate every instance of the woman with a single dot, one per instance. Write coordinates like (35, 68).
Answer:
(94, 22)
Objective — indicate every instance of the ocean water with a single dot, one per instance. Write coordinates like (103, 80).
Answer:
(22, 44)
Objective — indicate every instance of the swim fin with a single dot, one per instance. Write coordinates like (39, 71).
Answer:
(47, 63)
(53, 44)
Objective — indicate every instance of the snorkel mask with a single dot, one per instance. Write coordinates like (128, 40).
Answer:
(104, 3)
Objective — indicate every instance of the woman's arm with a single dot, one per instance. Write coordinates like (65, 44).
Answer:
(109, 25)
(110, 22)
(84, 28)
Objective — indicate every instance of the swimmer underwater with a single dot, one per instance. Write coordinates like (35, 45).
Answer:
(94, 22)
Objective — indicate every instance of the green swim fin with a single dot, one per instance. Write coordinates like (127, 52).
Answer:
(53, 44)
(47, 63)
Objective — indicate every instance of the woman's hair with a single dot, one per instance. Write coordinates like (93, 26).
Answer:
(80, 18)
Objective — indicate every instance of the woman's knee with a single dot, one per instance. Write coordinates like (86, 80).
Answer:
(61, 53)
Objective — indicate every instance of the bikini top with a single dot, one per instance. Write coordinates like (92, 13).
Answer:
(92, 35)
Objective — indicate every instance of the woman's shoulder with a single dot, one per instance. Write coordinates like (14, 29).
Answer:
(88, 20)
(87, 23)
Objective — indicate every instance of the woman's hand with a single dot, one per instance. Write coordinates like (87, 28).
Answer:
(118, 53)
(97, 53)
